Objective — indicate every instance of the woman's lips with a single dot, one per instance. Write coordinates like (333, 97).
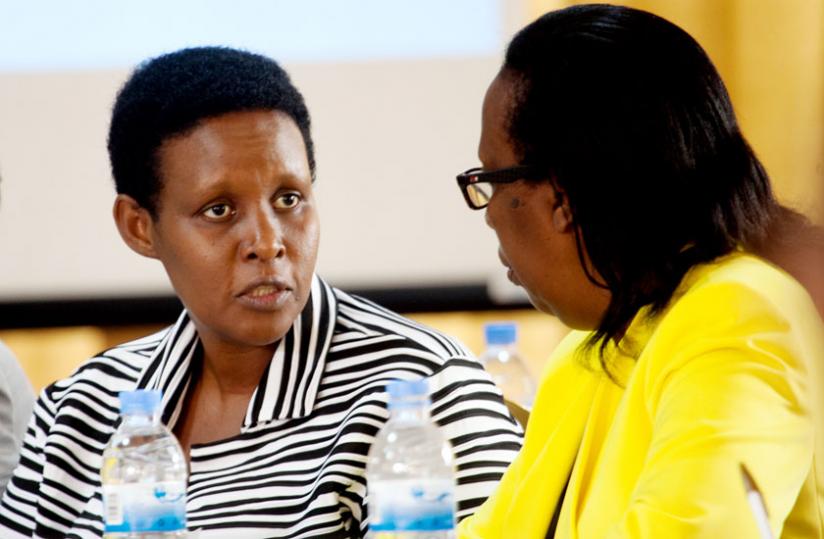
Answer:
(512, 277)
(509, 273)
(266, 295)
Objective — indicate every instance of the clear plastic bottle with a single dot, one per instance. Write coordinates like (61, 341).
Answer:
(144, 474)
(410, 474)
(504, 364)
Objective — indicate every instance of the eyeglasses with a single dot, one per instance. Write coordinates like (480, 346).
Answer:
(477, 185)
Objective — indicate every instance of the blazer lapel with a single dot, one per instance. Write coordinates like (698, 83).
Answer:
(553, 437)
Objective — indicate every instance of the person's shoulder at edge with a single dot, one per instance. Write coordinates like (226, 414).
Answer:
(17, 387)
(17, 401)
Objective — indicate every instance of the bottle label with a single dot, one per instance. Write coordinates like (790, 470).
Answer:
(142, 507)
(412, 505)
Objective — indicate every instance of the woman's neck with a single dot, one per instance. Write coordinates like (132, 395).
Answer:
(232, 370)
(224, 378)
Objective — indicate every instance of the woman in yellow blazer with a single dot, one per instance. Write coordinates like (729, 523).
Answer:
(621, 191)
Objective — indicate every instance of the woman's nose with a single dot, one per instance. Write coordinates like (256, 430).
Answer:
(264, 238)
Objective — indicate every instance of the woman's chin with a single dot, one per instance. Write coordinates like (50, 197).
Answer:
(260, 338)
(243, 331)
(570, 319)
(541, 304)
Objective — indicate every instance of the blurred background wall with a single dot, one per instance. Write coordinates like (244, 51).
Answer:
(395, 91)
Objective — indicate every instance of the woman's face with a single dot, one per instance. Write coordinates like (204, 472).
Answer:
(236, 227)
(534, 227)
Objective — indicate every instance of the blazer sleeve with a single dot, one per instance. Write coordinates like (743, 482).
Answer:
(728, 385)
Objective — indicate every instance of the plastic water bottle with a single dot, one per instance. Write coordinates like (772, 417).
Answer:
(504, 364)
(144, 474)
(410, 474)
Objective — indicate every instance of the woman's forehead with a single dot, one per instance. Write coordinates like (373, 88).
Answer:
(264, 141)
(495, 149)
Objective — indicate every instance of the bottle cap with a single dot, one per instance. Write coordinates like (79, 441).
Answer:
(140, 401)
(501, 333)
(404, 389)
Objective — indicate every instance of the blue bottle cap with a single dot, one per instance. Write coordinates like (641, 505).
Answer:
(501, 333)
(404, 389)
(140, 401)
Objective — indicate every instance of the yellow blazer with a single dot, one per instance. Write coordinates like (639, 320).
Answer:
(722, 377)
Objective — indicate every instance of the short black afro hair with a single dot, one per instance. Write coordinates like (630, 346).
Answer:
(171, 94)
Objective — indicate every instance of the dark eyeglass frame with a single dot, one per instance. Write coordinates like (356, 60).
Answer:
(502, 175)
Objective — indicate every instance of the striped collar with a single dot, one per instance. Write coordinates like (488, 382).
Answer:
(289, 385)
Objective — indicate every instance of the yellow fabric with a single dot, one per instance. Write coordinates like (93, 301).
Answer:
(722, 377)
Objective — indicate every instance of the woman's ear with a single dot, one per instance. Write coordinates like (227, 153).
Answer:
(135, 225)
(561, 214)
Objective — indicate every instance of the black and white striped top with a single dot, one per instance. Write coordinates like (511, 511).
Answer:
(297, 467)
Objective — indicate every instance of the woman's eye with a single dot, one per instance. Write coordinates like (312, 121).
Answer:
(218, 211)
(287, 201)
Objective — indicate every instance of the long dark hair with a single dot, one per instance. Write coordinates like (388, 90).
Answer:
(628, 115)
